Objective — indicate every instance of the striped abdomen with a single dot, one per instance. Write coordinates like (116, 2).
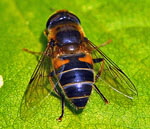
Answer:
(76, 78)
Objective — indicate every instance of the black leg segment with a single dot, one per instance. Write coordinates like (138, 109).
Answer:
(62, 111)
(98, 60)
(101, 95)
(63, 104)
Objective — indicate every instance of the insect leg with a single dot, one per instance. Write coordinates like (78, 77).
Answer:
(63, 104)
(32, 52)
(105, 43)
(101, 68)
(98, 60)
(51, 75)
(101, 95)
(50, 44)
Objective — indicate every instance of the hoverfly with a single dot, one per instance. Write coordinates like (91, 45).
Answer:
(73, 66)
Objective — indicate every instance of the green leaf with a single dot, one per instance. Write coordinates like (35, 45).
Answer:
(125, 22)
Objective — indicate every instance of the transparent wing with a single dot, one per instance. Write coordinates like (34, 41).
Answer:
(112, 79)
(38, 87)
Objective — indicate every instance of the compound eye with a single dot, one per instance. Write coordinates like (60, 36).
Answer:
(51, 20)
(74, 18)
(60, 18)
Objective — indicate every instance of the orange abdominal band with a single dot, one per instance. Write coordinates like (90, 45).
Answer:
(59, 62)
(87, 59)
